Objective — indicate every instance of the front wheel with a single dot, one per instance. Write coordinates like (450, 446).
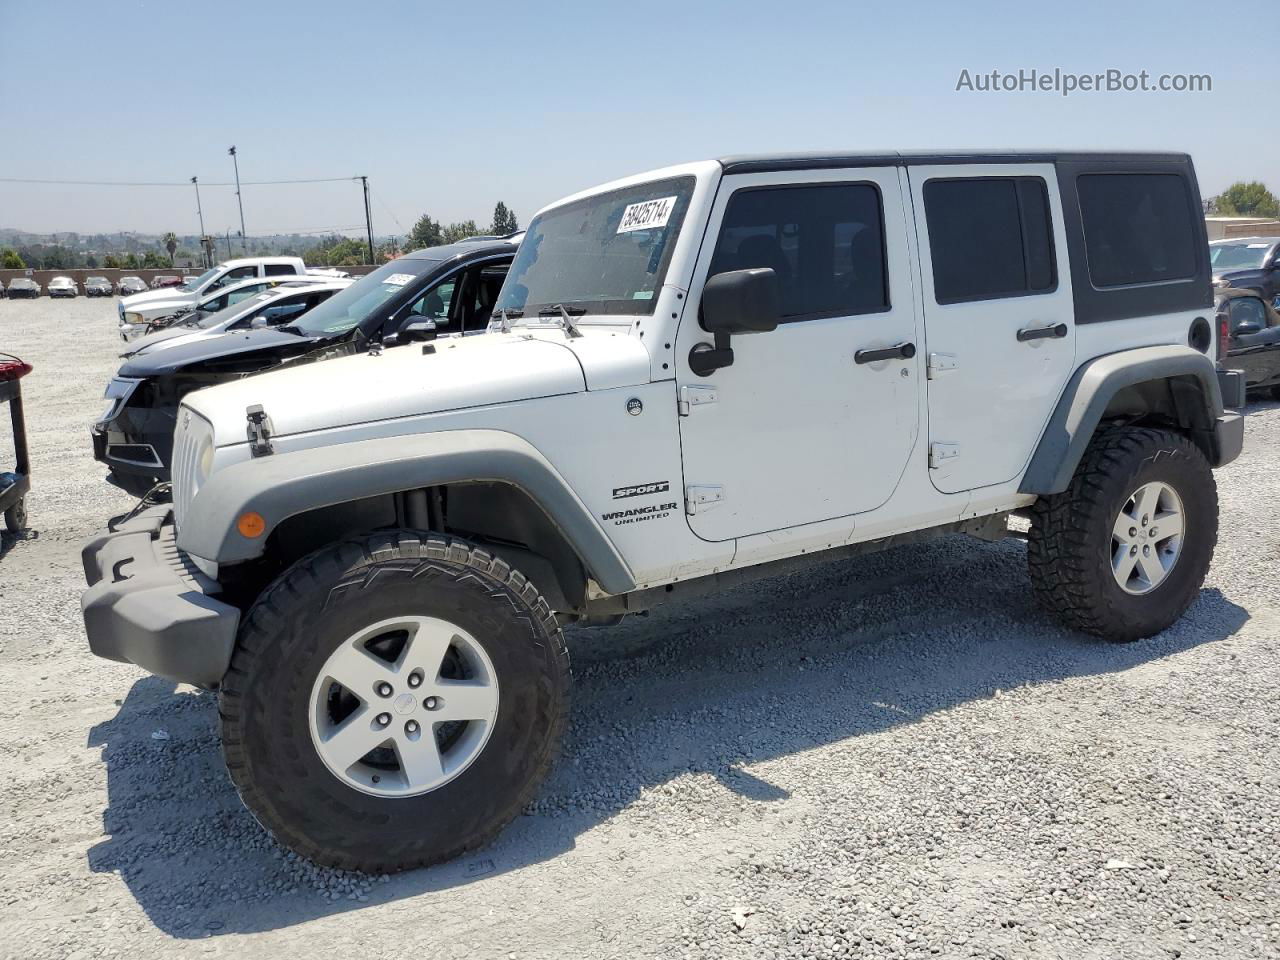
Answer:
(1123, 551)
(394, 701)
(15, 518)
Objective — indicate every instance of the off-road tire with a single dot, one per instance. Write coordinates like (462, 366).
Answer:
(15, 518)
(1069, 545)
(304, 615)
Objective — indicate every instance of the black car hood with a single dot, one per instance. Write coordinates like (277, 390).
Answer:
(173, 359)
(1240, 273)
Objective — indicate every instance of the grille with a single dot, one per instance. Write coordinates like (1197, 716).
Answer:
(192, 434)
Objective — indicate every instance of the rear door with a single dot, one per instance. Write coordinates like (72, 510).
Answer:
(999, 321)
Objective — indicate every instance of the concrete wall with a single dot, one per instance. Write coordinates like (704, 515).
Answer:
(43, 277)
(1224, 228)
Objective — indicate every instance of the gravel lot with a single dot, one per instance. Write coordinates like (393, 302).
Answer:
(897, 756)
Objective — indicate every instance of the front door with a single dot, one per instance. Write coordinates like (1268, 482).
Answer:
(804, 425)
(999, 321)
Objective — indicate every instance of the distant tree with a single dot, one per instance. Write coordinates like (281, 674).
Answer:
(170, 241)
(112, 262)
(504, 220)
(152, 260)
(1251, 199)
(425, 233)
(131, 261)
(9, 260)
(91, 261)
(56, 258)
(459, 231)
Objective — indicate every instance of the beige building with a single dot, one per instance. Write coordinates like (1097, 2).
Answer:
(1224, 228)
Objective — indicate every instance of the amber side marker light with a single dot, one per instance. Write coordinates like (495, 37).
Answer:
(251, 525)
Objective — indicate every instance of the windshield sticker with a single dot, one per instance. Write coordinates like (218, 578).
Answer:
(646, 215)
(642, 295)
(398, 279)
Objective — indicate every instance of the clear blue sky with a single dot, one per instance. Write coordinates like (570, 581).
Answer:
(449, 107)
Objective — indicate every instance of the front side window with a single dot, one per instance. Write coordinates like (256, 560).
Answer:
(1138, 228)
(989, 238)
(232, 276)
(603, 254)
(824, 243)
(435, 305)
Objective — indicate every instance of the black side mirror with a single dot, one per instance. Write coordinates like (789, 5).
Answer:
(417, 330)
(737, 301)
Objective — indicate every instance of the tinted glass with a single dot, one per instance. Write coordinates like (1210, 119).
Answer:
(824, 243)
(1138, 228)
(989, 238)
(280, 270)
(606, 253)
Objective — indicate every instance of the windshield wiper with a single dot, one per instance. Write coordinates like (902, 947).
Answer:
(292, 329)
(566, 315)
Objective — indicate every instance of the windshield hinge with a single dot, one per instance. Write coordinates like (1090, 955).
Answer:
(700, 499)
(694, 396)
(259, 431)
(940, 453)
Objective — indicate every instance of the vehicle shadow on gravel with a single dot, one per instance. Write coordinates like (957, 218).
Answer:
(698, 691)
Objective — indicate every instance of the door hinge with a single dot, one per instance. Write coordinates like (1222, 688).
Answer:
(700, 499)
(940, 453)
(694, 396)
(940, 363)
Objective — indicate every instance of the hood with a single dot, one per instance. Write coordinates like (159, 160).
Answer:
(225, 347)
(158, 298)
(1238, 273)
(399, 382)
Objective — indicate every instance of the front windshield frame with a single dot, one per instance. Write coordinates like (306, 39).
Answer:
(360, 302)
(643, 300)
(1244, 263)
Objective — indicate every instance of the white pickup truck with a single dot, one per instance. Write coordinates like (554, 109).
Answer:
(145, 307)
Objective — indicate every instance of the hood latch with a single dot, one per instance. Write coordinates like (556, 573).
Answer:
(258, 431)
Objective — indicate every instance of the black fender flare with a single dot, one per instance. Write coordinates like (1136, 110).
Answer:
(282, 485)
(1095, 384)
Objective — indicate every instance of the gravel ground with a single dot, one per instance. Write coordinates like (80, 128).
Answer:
(899, 756)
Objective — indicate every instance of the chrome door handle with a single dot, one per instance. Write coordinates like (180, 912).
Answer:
(1056, 332)
(903, 351)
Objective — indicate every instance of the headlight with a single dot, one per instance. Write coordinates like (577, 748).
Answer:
(204, 463)
(134, 318)
(1220, 284)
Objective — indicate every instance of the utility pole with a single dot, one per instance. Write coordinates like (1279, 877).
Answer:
(228, 243)
(200, 213)
(243, 241)
(368, 217)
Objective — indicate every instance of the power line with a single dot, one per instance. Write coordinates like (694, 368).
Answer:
(167, 183)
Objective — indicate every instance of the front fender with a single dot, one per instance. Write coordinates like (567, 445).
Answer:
(286, 484)
(1095, 385)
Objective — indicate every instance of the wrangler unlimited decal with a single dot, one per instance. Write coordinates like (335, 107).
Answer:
(655, 511)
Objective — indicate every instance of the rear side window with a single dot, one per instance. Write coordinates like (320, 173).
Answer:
(989, 238)
(1138, 228)
(825, 243)
(280, 270)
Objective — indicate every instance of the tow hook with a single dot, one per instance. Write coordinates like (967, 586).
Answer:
(258, 431)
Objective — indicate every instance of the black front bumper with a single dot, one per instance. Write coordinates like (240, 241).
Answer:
(149, 605)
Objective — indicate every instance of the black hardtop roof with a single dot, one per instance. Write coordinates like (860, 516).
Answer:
(464, 248)
(826, 160)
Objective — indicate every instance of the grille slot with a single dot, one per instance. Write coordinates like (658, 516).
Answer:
(190, 436)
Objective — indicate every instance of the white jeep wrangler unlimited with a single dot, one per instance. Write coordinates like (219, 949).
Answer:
(695, 377)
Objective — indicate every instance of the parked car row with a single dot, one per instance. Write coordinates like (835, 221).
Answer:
(67, 287)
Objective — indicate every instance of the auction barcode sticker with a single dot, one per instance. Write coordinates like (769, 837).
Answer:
(398, 279)
(646, 215)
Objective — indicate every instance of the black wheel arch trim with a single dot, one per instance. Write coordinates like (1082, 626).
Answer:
(287, 484)
(1095, 384)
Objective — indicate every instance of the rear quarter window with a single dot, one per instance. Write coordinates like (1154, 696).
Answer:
(1138, 228)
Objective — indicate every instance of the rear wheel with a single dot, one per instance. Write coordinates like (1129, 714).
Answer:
(394, 701)
(1123, 551)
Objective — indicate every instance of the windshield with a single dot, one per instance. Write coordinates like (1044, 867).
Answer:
(348, 308)
(1238, 256)
(604, 254)
(192, 283)
(96, 280)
